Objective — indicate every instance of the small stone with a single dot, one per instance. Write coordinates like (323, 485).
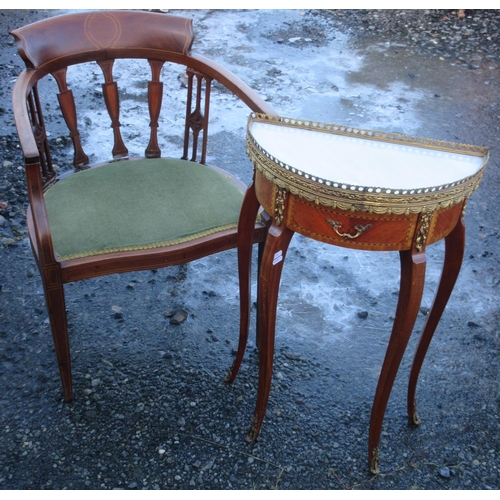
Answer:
(444, 472)
(363, 314)
(179, 317)
(472, 324)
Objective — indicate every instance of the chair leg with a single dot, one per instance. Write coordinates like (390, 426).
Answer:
(277, 242)
(54, 296)
(410, 295)
(246, 225)
(454, 252)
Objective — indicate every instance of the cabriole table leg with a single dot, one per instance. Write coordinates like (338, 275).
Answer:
(413, 265)
(454, 252)
(277, 242)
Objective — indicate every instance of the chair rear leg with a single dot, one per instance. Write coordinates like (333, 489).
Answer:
(54, 296)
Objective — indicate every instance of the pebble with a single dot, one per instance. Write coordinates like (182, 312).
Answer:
(444, 472)
(179, 317)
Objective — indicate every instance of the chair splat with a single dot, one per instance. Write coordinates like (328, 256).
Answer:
(111, 98)
(196, 119)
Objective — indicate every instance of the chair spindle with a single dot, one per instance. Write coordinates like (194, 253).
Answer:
(155, 96)
(68, 108)
(38, 124)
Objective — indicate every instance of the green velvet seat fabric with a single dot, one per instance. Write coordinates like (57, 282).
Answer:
(139, 204)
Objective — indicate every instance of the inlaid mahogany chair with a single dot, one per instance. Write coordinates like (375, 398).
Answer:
(133, 212)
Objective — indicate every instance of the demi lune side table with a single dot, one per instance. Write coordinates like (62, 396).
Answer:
(356, 189)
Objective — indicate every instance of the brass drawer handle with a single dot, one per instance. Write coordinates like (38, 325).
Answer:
(358, 227)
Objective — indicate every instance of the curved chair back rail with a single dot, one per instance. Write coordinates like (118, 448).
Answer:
(101, 35)
(84, 224)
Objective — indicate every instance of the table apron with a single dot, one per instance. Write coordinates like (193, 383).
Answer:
(352, 229)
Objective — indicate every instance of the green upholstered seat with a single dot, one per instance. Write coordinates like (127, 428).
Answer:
(139, 204)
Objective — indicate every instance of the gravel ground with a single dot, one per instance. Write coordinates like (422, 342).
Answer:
(151, 410)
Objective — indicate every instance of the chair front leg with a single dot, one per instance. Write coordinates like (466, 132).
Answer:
(56, 306)
(246, 226)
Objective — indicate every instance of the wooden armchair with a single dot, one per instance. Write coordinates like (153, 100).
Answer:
(91, 222)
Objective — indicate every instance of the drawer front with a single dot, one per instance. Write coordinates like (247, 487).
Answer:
(360, 230)
(443, 222)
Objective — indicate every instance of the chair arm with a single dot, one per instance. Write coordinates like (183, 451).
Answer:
(20, 93)
(43, 240)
